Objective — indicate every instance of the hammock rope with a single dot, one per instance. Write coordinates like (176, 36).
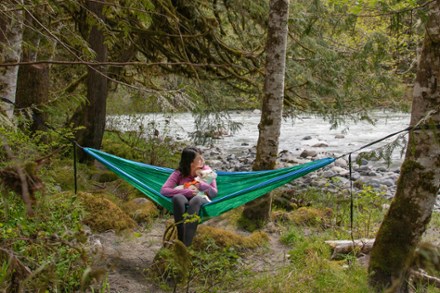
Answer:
(235, 188)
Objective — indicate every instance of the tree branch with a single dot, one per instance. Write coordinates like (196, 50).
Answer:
(425, 278)
(133, 63)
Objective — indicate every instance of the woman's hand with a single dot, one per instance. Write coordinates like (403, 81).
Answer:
(194, 189)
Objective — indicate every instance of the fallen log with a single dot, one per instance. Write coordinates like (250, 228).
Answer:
(343, 247)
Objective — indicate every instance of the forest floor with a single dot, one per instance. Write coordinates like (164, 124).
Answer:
(128, 256)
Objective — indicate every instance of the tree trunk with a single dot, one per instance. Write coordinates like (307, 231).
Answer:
(92, 115)
(11, 34)
(33, 80)
(419, 180)
(33, 93)
(258, 211)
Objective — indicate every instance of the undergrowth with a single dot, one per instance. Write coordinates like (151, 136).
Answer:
(47, 249)
(363, 221)
(44, 252)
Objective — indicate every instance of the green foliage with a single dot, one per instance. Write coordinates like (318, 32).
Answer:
(59, 176)
(385, 152)
(42, 155)
(129, 101)
(3, 275)
(50, 244)
(292, 236)
(138, 12)
(210, 126)
(204, 270)
(37, 148)
(171, 265)
(368, 210)
(61, 108)
(145, 143)
(17, 140)
(338, 64)
(309, 268)
(213, 268)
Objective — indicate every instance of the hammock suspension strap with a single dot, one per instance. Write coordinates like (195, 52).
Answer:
(230, 199)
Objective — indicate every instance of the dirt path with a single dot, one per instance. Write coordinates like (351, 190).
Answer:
(127, 256)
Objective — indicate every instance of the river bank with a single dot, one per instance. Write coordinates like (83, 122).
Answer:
(333, 178)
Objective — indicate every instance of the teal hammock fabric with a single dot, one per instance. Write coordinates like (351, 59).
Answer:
(234, 188)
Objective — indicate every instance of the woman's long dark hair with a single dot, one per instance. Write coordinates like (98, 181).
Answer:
(188, 156)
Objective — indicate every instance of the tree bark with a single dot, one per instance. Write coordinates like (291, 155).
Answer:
(269, 127)
(419, 181)
(92, 115)
(11, 34)
(33, 93)
(33, 80)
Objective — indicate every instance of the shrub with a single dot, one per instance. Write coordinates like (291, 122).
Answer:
(47, 248)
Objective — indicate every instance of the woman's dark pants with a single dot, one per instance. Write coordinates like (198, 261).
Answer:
(186, 231)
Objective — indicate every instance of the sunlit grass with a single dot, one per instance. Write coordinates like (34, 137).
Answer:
(309, 271)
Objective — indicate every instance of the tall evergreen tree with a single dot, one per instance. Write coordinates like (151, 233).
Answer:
(92, 115)
(33, 81)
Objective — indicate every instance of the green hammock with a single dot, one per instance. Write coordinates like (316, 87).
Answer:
(234, 188)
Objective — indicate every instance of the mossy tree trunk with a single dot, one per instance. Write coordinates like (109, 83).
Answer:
(258, 210)
(419, 181)
(92, 115)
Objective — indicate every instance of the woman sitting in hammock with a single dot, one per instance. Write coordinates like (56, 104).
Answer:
(190, 162)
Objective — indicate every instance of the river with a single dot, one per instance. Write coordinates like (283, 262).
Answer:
(351, 135)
